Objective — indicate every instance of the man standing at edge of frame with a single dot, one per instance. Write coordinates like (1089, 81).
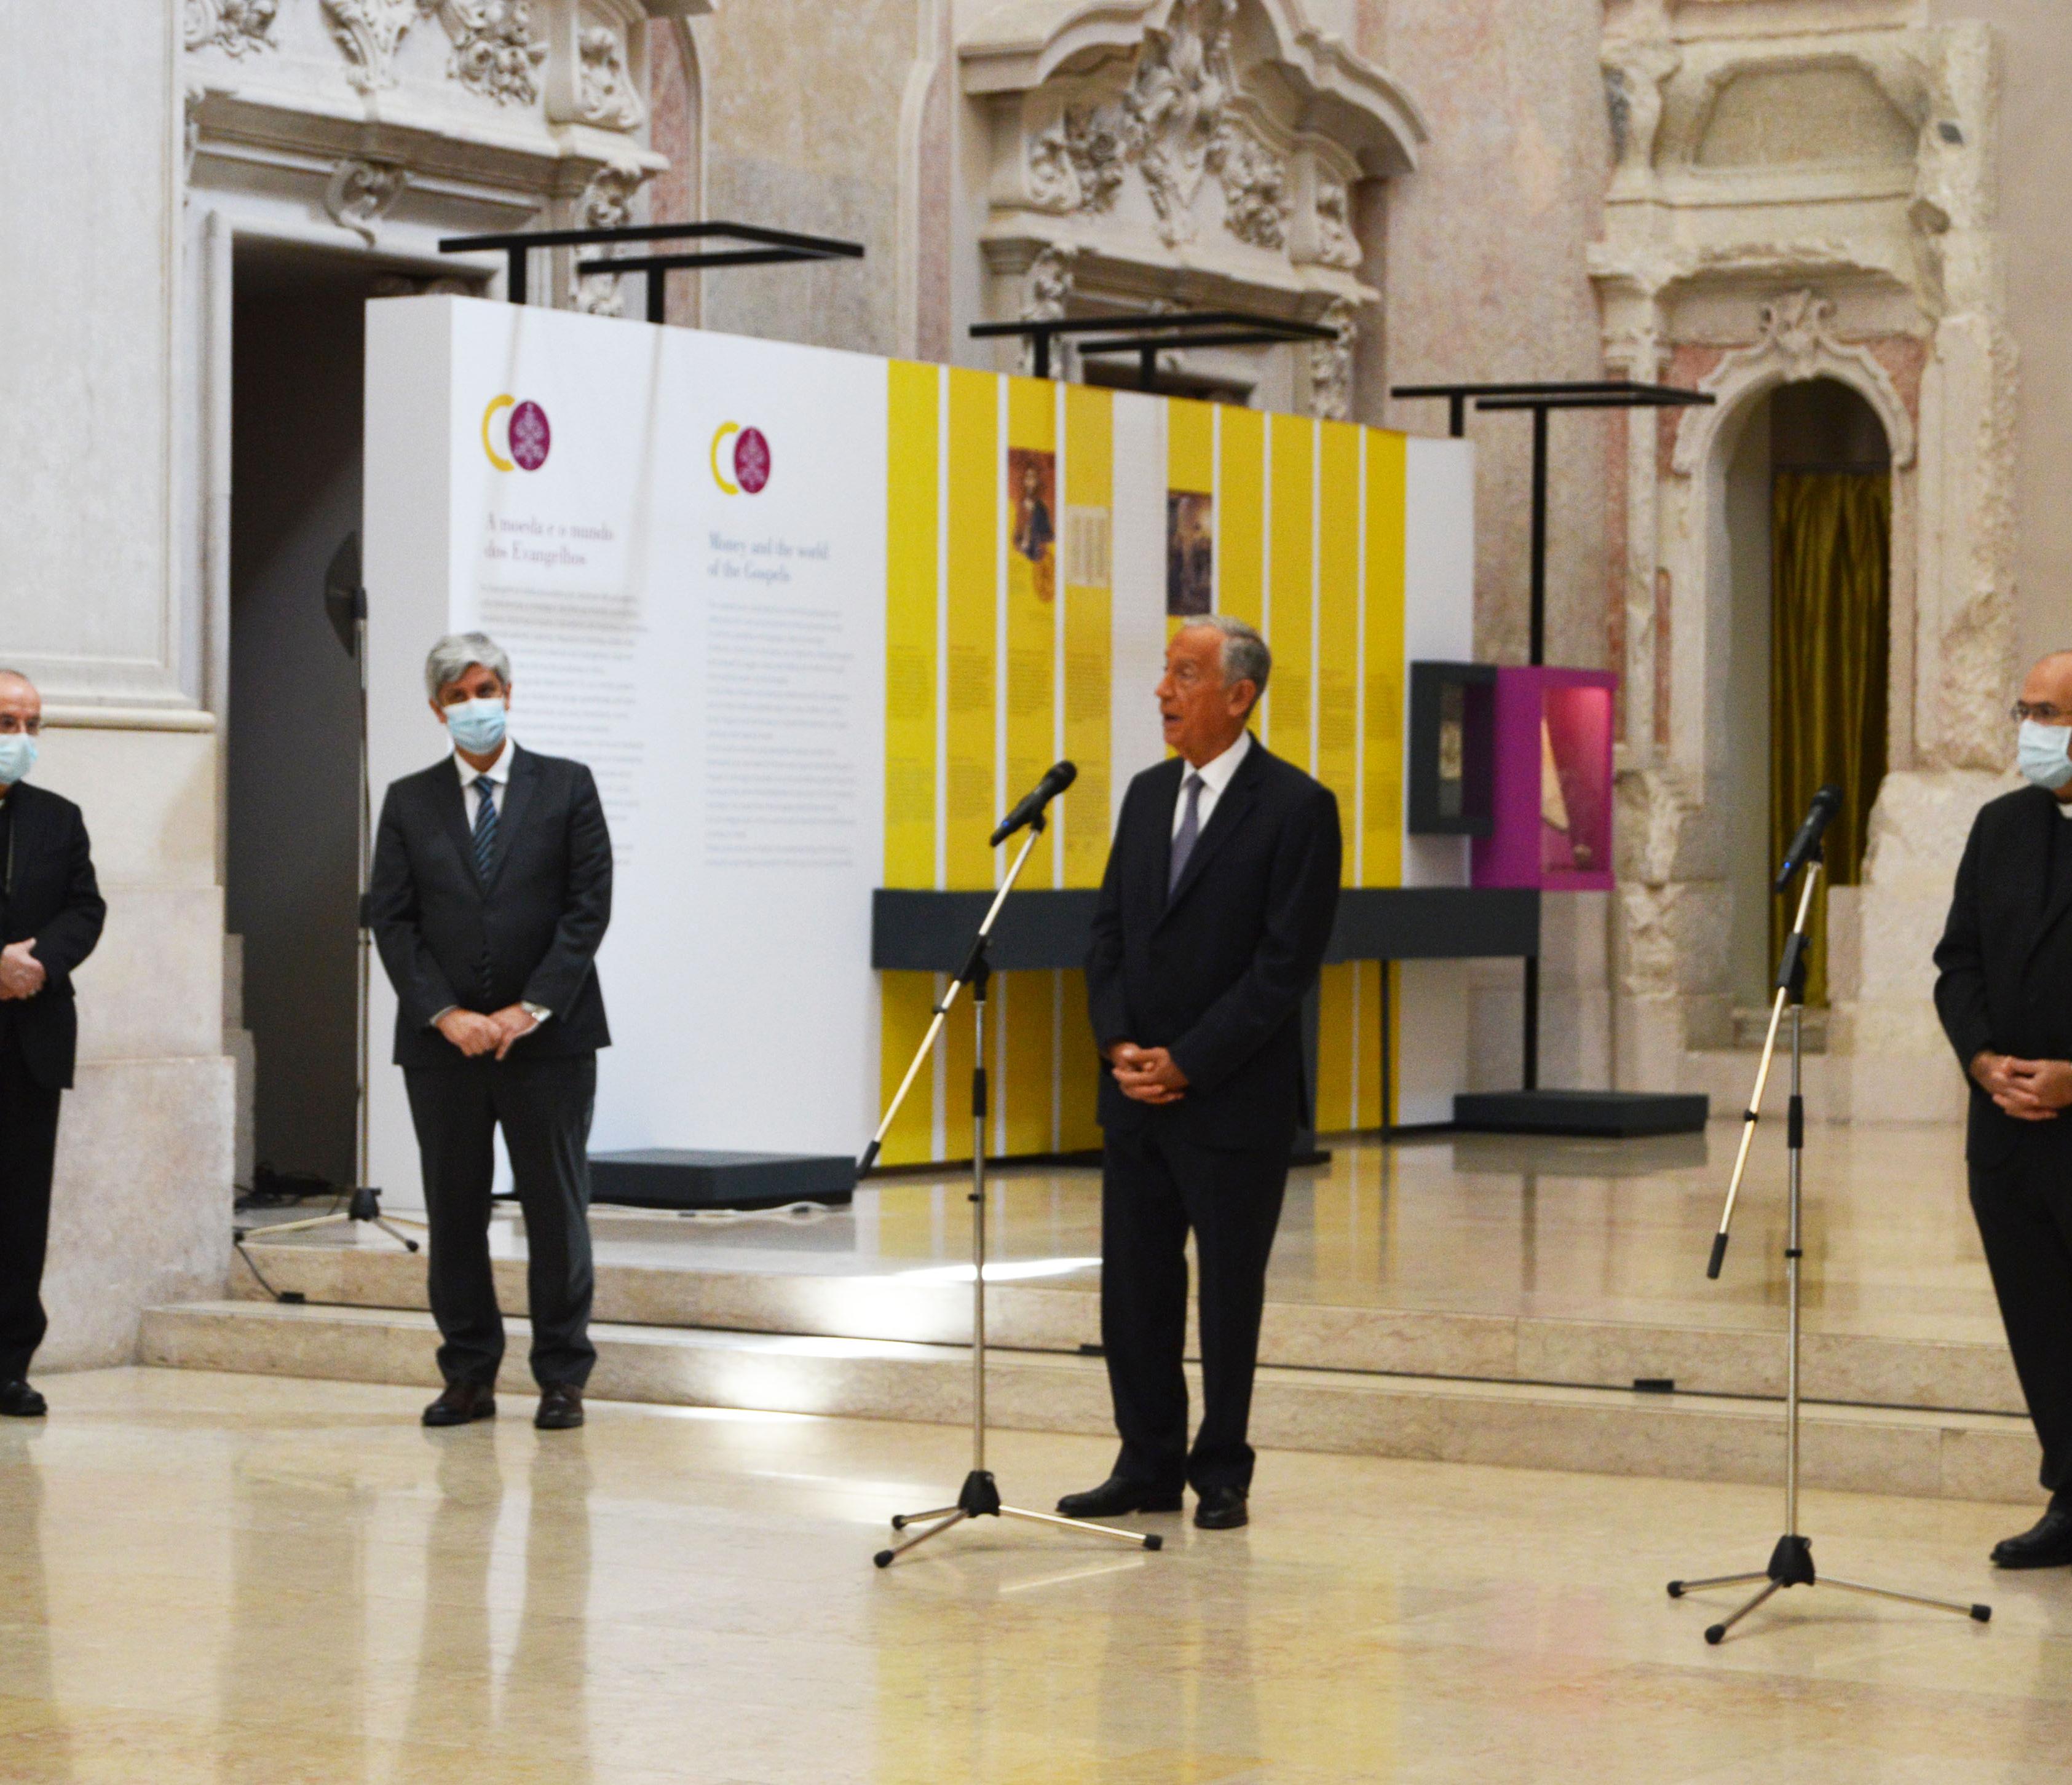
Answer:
(2004, 994)
(1213, 916)
(491, 891)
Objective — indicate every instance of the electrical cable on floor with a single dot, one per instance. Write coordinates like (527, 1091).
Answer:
(291, 1297)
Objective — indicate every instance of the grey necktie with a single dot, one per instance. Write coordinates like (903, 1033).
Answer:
(485, 827)
(1190, 828)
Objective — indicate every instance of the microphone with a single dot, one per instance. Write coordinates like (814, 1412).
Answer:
(1056, 779)
(1826, 804)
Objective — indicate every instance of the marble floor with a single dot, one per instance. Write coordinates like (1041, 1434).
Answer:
(232, 1579)
(1546, 1227)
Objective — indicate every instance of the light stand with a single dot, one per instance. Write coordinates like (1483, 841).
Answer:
(347, 601)
(1791, 1562)
(979, 1495)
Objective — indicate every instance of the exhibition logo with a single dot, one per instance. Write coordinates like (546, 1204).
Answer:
(749, 455)
(526, 436)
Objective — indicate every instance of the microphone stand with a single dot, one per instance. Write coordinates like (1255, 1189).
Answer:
(1791, 1562)
(979, 1495)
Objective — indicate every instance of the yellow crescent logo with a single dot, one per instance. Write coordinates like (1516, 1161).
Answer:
(719, 476)
(488, 415)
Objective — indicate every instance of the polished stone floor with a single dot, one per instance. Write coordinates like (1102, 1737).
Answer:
(1553, 1229)
(231, 1579)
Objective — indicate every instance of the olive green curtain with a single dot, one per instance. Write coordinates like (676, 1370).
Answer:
(1831, 540)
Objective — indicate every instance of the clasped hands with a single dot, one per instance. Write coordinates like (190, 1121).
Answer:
(475, 1034)
(1147, 1074)
(2030, 1091)
(22, 975)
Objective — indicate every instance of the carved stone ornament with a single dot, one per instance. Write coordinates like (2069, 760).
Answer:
(495, 53)
(369, 32)
(1331, 364)
(605, 95)
(360, 193)
(1794, 343)
(1255, 181)
(238, 28)
(1337, 245)
(606, 203)
(1050, 285)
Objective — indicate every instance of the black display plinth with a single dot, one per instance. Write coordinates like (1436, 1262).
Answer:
(664, 1177)
(1612, 1115)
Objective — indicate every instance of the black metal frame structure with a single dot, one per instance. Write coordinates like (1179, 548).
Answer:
(1541, 399)
(768, 247)
(1147, 334)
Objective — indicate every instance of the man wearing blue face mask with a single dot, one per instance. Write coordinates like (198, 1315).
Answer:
(51, 913)
(2004, 994)
(490, 890)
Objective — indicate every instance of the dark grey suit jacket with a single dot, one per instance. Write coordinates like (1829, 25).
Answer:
(50, 894)
(1218, 972)
(527, 934)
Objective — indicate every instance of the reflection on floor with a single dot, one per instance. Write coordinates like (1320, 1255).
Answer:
(208, 1578)
(1554, 1228)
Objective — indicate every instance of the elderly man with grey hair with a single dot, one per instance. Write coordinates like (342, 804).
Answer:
(490, 890)
(1214, 915)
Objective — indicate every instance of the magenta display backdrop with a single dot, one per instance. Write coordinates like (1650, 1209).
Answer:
(1553, 785)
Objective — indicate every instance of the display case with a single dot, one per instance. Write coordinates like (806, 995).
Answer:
(1551, 781)
(1452, 713)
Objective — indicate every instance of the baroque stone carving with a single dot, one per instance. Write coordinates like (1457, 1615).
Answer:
(495, 53)
(1337, 245)
(1794, 343)
(360, 193)
(369, 32)
(1255, 181)
(1634, 72)
(1331, 364)
(236, 26)
(1050, 285)
(606, 203)
(605, 93)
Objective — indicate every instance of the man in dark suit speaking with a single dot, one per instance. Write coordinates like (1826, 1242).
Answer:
(491, 891)
(2004, 994)
(1214, 915)
(51, 913)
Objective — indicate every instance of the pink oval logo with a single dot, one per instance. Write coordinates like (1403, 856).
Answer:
(751, 460)
(531, 438)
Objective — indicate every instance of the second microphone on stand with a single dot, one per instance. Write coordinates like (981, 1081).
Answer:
(1056, 779)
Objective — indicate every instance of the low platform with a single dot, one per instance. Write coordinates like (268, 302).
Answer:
(661, 1177)
(1612, 1115)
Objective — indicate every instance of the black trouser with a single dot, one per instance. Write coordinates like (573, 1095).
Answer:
(28, 1151)
(1154, 1188)
(544, 1106)
(2023, 1206)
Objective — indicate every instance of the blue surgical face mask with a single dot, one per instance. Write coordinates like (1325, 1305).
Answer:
(2041, 753)
(478, 725)
(17, 757)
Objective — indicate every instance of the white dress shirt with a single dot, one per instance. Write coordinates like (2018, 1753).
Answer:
(1215, 775)
(498, 772)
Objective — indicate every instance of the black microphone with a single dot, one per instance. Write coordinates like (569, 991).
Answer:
(1826, 804)
(1056, 779)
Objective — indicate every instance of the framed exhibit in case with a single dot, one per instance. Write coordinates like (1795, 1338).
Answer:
(1552, 779)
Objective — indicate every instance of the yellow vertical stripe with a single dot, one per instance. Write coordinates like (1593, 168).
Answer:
(911, 514)
(1079, 1084)
(972, 478)
(1032, 622)
(1029, 1010)
(1191, 448)
(1337, 675)
(1240, 516)
(1290, 440)
(1387, 473)
(1089, 690)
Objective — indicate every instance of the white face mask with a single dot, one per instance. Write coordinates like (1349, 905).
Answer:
(17, 757)
(2044, 753)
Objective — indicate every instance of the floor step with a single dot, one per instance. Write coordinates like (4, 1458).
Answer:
(1962, 1456)
(1850, 1368)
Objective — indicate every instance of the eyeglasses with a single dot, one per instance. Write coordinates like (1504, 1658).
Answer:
(2042, 712)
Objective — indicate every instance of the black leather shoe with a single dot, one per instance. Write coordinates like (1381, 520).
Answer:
(1221, 1509)
(560, 1408)
(1115, 1496)
(2046, 1544)
(461, 1403)
(18, 1401)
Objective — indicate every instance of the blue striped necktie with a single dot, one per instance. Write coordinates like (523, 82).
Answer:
(485, 825)
(1190, 829)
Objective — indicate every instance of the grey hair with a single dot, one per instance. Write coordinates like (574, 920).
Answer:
(1245, 655)
(450, 657)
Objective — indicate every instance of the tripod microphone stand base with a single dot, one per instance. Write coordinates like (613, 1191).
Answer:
(1791, 1564)
(362, 1204)
(979, 1498)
